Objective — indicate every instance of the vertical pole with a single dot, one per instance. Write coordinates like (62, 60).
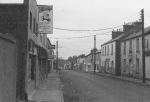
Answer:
(143, 45)
(57, 55)
(94, 52)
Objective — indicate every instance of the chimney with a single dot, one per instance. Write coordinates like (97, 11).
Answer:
(137, 26)
(127, 28)
(116, 33)
(132, 27)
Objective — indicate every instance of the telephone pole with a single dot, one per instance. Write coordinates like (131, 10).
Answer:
(143, 45)
(94, 51)
(57, 55)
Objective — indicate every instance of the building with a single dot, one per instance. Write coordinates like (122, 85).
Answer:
(110, 56)
(98, 61)
(21, 21)
(111, 50)
(50, 50)
(8, 69)
(131, 54)
(89, 62)
(80, 63)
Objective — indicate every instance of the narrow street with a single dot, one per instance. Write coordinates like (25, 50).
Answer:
(85, 87)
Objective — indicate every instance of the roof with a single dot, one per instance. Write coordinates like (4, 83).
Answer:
(91, 53)
(98, 52)
(115, 39)
(88, 54)
(134, 35)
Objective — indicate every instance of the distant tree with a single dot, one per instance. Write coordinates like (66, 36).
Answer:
(82, 55)
(70, 59)
(61, 62)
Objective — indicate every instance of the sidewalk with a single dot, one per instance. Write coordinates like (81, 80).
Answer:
(49, 91)
(124, 78)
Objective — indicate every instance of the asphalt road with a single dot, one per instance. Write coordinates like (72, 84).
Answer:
(85, 87)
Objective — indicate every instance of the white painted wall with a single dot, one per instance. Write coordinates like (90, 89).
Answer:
(131, 69)
(147, 58)
(108, 56)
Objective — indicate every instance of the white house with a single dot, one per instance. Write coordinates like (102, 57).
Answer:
(110, 55)
(131, 54)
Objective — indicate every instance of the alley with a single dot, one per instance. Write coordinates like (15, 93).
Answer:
(85, 87)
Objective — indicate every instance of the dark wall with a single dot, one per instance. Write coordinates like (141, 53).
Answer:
(7, 69)
(13, 20)
(116, 34)
(118, 58)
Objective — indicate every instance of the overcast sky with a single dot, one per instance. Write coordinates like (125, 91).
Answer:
(90, 14)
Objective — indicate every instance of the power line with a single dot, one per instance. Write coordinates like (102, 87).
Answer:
(84, 30)
(106, 33)
(79, 30)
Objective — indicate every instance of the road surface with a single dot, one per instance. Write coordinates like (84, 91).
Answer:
(85, 87)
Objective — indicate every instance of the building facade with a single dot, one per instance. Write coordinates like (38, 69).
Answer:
(98, 61)
(108, 62)
(110, 57)
(80, 63)
(21, 21)
(111, 50)
(131, 55)
(89, 62)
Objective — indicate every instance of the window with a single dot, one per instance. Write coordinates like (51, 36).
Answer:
(34, 26)
(30, 20)
(146, 44)
(137, 45)
(124, 65)
(111, 49)
(105, 50)
(102, 51)
(124, 49)
(130, 48)
(112, 66)
(108, 50)
(137, 65)
(37, 28)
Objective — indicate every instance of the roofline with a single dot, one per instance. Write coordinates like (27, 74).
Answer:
(108, 42)
(135, 36)
(146, 33)
(88, 54)
(11, 4)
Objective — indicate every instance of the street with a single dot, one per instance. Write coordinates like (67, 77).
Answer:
(86, 87)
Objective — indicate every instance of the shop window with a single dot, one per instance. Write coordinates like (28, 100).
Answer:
(31, 20)
(34, 26)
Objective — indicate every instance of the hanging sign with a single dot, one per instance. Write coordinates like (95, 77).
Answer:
(45, 19)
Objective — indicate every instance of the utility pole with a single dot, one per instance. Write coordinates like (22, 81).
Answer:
(94, 52)
(57, 55)
(143, 45)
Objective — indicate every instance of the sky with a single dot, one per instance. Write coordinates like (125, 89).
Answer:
(89, 15)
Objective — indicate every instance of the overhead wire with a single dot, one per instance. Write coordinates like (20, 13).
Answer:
(105, 33)
(79, 30)
(89, 30)
(83, 30)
